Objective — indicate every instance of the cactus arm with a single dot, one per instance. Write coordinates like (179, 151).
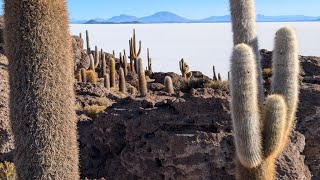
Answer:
(244, 107)
(274, 122)
(285, 79)
(244, 31)
(134, 42)
(139, 51)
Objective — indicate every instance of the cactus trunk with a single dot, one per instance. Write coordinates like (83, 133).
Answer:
(42, 111)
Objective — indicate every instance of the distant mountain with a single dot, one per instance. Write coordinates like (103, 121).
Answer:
(97, 22)
(168, 17)
(290, 18)
(226, 18)
(163, 17)
(122, 18)
(77, 21)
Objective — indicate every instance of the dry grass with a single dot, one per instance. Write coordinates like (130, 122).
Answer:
(7, 171)
(221, 85)
(103, 101)
(94, 110)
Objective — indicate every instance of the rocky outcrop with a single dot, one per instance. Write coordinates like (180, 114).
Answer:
(80, 56)
(308, 123)
(175, 138)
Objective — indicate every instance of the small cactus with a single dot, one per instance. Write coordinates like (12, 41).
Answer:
(168, 86)
(214, 74)
(83, 75)
(219, 77)
(122, 81)
(92, 77)
(143, 90)
(112, 73)
(149, 61)
(184, 68)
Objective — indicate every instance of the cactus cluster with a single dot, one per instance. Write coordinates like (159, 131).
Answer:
(261, 127)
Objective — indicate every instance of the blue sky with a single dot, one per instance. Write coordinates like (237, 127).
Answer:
(193, 9)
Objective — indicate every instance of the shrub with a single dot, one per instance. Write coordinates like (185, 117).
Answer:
(93, 110)
(7, 171)
(267, 72)
(221, 85)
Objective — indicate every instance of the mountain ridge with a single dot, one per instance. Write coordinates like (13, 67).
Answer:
(169, 17)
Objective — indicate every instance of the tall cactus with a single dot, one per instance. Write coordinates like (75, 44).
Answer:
(103, 65)
(134, 54)
(125, 63)
(286, 65)
(96, 57)
(261, 134)
(149, 61)
(143, 90)
(244, 31)
(88, 42)
(83, 75)
(42, 99)
(214, 74)
(112, 73)
(122, 81)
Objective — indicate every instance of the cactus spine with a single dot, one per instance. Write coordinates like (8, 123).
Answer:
(88, 42)
(261, 136)
(112, 73)
(244, 31)
(122, 81)
(43, 119)
(168, 86)
(143, 90)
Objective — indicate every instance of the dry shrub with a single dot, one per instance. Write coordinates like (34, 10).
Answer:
(93, 110)
(221, 85)
(7, 171)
